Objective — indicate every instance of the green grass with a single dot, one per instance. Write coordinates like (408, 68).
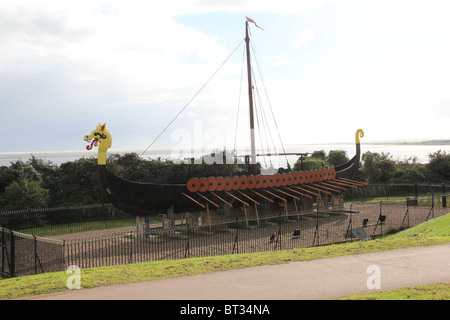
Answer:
(439, 291)
(438, 227)
(430, 233)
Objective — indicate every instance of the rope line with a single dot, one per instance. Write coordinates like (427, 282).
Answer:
(239, 101)
(268, 100)
(187, 104)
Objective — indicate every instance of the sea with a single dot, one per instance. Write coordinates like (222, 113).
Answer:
(398, 152)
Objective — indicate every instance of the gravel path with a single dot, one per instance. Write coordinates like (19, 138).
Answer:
(94, 233)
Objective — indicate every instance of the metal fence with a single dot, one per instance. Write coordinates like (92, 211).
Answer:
(388, 191)
(286, 231)
(23, 254)
(68, 219)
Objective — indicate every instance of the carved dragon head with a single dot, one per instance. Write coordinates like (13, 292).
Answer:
(99, 136)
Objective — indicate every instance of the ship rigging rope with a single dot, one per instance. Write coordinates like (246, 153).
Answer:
(270, 105)
(187, 104)
(239, 101)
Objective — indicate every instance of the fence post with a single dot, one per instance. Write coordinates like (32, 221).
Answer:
(186, 249)
(416, 191)
(379, 220)
(131, 246)
(278, 239)
(432, 207)
(63, 248)
(236, 239)
(444, 197)
(316, 232)
(35, 254)
(12, 251)
(406, 216)
(350, 226)
(3, 245)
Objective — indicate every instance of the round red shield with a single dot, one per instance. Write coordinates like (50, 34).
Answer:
(193, 185)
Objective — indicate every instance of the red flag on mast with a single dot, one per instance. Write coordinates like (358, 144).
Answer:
(253, 21)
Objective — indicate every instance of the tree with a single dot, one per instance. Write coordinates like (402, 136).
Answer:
(410, 171)
(78, 183)
(24, 194)
(337, 157)
(439, 165)
(320, 155)
(378, 168)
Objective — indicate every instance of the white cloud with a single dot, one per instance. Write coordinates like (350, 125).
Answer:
(133, 64)
(303, 37)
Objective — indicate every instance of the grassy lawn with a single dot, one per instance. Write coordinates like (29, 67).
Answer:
(436, 231)
(439, 291)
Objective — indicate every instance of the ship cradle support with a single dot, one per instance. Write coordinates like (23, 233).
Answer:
(252, 197)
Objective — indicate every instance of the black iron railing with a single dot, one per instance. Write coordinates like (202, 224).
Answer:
(23, 254)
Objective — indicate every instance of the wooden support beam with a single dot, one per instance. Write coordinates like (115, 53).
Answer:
(264, 197)
(245, 215)
(213, 203)
(345, 184)
(233, 196)
(288, 194)
(277, 196)
(251, 199)
(300, 193)
(319, 189)
(228, 204)
(331, 184)
(327, 187)
(307, 191)
(257, 214)
(190, 198)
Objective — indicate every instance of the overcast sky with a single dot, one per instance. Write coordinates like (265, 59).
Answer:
(329, 68)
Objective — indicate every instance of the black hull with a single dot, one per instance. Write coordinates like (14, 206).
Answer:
(349, 169)
(144, 199)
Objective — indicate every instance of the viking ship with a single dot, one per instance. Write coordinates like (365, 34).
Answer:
(200, 193)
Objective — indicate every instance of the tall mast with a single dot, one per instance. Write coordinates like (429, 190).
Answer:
(250, 101)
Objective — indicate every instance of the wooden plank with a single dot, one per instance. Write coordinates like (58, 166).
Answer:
(200, 204)
(288, 194)
(273, 194)
(327, 187)
(213, 203)
(345, 184)
(300, 193)
(228, 204)
(319, 189)
(258, 194)
(359, 183)
(307, 191)
(254, 201)
(329, 183)
(233, 196)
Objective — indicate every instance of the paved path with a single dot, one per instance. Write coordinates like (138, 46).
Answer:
(319, 279)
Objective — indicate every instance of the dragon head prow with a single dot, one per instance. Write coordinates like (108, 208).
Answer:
(100, 138)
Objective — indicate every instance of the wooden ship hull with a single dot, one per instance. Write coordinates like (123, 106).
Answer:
(143, 199)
